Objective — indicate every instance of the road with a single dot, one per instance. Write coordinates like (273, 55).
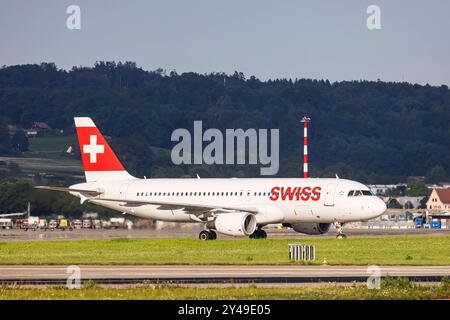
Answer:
(214, 273)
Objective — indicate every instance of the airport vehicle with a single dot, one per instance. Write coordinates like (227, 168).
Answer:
(42, 224)
(236, 207)
(77, 224)
(6, 223)
(53, 224)
(28, 223)
(419, 221)
(64, 224)
(87, 224)
(117, 223)
(96, 224)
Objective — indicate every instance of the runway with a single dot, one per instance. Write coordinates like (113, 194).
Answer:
(185, 274)
(192, 232)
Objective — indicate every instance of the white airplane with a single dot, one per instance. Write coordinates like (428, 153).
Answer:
(236, 207)
(3, 215)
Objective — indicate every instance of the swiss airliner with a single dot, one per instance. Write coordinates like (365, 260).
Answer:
(236, 207)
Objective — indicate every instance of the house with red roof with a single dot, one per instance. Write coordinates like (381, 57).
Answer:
(439, 200)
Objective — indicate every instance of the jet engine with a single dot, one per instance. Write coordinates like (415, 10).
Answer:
(311, 228)
(235, 223)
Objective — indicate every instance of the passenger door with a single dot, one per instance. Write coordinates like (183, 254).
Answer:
(329, 194)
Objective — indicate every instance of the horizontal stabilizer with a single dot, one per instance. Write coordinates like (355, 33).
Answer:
(91, 193)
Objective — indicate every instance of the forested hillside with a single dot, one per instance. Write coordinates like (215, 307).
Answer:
(373, 131)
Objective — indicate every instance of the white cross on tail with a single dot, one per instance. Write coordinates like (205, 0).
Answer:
(93, 148)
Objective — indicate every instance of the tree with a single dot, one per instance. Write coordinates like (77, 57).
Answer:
(436, 174)
(19, 141)
(394, 204)
(365, 124)
(417, 189)
(4, 139)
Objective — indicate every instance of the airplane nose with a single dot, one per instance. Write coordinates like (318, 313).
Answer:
(380, 207)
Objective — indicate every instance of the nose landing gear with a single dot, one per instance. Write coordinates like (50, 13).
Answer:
(207, 235)
(340, 227)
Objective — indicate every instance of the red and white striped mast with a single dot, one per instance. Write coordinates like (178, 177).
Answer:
(305, 121)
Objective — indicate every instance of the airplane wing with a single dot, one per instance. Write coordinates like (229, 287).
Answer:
(192, 208)
(90, 193)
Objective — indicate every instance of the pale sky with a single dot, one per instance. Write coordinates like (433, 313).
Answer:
(316, 39)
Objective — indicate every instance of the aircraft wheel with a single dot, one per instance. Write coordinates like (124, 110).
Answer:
(263, 234)
(258, 234)
(205, 235)
(213, 234)
(341, 236)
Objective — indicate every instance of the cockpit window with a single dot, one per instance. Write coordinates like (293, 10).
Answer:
(357, 193)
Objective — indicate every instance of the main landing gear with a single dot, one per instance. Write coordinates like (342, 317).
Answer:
(258, 234)
(207, 235)
(340, 227)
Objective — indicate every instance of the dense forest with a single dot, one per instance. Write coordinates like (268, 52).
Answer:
(372, 131)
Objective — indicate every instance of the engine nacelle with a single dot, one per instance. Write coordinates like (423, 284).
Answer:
(235, 223)
(311, 228)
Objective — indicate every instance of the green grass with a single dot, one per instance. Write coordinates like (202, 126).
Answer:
(407, 250)
(51, 144)
(389, 289)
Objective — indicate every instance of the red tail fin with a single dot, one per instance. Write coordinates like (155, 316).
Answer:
(99, 160)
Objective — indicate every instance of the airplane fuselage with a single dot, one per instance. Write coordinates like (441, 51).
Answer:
(277, 200)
